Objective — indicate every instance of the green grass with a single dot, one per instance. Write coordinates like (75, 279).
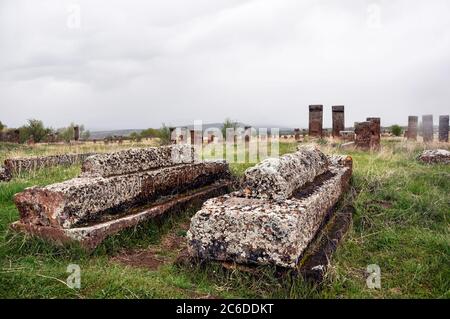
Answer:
(401, 224)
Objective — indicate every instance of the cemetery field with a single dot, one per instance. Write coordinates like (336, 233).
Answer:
(401, 224)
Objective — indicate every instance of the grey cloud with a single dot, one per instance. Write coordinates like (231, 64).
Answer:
(137, 64)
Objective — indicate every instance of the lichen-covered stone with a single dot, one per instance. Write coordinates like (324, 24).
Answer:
(26, 164)
(90, 236)
(278, 178)
(137, 160)
(5, 175)
(266, 232)
(435, 157)
(84, 199)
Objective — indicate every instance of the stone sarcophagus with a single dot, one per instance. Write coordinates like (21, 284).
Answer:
(279, 210)
(117, 191)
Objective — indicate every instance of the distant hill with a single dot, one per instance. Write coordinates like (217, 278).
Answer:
(98, 135)
(102, 134)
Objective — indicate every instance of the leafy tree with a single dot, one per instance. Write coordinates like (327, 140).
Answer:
(396, 130)
(150, 133)
(86, 134)
(2, 126)
(67, 133)
(135, 137)
(34, 129)
(164, 135)
(228, 124)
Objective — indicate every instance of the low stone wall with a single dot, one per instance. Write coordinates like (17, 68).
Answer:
(27, 164)
(278, 178)
(241, 229)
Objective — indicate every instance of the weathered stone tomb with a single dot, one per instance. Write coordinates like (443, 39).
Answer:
(117, 191)
(277, 213)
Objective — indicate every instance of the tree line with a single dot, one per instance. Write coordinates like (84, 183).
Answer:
(35, 130)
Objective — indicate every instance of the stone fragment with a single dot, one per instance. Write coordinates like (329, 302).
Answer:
(443, 128)
(137, 160)
(338, 120)
(266, 232)
(278, 178)
(76, 201)
(427, 128)
(412, 127)
(435, 157)
(5, 175)
(315, 120)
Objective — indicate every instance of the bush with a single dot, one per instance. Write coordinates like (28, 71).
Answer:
(35, 130)
(396, 130)
(164, 135)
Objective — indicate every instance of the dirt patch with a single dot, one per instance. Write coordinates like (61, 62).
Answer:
(155, 256)
(147, 259)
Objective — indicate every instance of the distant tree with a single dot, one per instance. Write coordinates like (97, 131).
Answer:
(136, 137)
(228, 123)
(2, 126)
(396, 130)
(34, 129)
(164, 135)
(67, 133)
(150, 133)
(86, 134)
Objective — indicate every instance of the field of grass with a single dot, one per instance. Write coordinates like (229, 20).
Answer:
(401, 223)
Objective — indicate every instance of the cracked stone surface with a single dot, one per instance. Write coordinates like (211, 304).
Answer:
(278, 178)
(435, 157)
(83, 199)
(248, 230)
(137, 160)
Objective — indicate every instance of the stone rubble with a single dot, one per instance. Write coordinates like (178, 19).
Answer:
(5, 175)
(435, 157)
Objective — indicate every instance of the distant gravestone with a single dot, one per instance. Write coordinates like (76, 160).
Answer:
(427, 128)
(338, 120)
(443, 128)
(375, 140)
(412, 128)
(315, 120)
(76, 133)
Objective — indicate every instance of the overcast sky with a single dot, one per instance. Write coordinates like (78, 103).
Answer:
(113, 64)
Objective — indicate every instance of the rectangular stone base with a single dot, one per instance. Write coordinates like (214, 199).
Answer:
(92, 235)
(267, 232)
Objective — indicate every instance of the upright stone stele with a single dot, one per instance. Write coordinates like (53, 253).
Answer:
(338, 120)
(297, 134)
(363, 135)
(412, 127)
(443, 128)
(315, 120)
(76, 133)
(427, 128)
(375, 139)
